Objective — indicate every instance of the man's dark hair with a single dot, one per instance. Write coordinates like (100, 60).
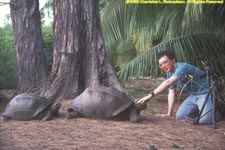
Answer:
(169, 53)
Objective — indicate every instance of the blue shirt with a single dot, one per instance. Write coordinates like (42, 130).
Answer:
(190, 79)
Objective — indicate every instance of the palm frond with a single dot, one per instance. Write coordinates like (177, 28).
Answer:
(187, 47)
(117, 23)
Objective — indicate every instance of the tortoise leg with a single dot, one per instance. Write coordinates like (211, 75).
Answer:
(135, 111)
(71, 113)
(133, 116)
(4, 118)
(53, 111)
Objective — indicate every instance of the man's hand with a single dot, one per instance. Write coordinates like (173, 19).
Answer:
(144, 99)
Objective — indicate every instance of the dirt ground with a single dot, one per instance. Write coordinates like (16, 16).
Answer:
(92, 134)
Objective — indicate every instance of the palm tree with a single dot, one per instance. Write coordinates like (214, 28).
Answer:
(188, 29)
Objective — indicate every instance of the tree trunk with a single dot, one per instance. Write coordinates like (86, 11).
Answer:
(31, 71)
(79, 59)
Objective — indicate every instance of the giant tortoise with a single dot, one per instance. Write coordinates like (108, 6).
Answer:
(29, 106)
(105, 103)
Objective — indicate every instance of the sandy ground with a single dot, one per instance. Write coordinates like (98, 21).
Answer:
(92, 134)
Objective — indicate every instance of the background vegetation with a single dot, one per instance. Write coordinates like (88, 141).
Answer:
(134, 34)
(7, 58)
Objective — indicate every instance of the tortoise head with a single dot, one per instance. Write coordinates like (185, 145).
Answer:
(56, 106)
(71, 113)
(140, 107)
(55, 109)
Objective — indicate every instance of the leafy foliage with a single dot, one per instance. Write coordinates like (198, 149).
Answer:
(117, 27)
(47, 33)
(7, 58)
(188, 29)
(8, 54)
